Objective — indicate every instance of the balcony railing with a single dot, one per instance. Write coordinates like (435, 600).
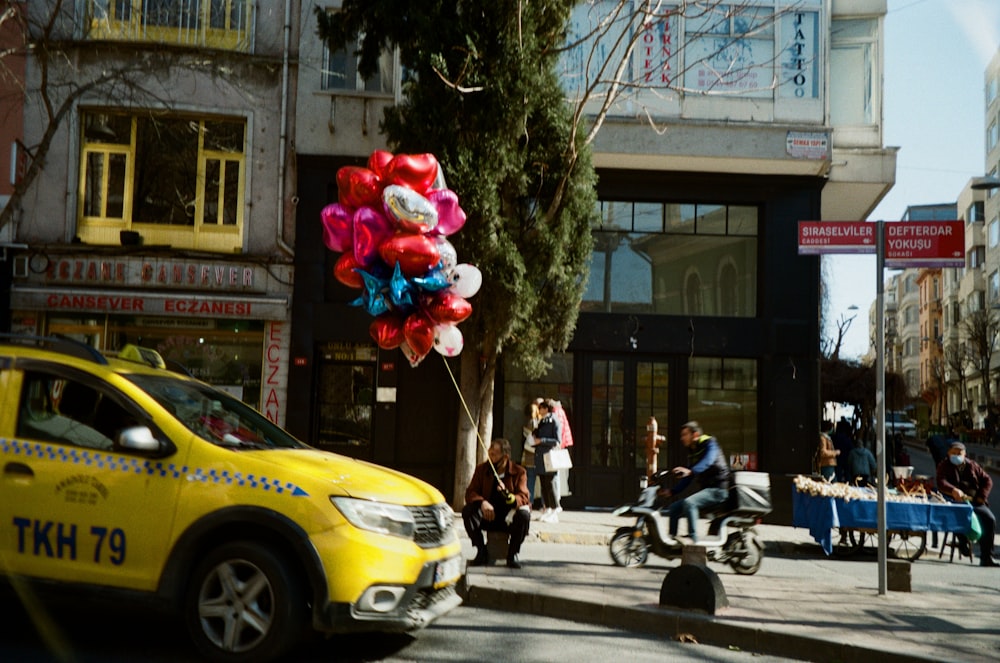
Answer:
(220, 24)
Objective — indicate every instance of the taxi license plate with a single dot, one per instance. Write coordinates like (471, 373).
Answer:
(448, 570)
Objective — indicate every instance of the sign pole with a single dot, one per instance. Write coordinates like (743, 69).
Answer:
(880, 400)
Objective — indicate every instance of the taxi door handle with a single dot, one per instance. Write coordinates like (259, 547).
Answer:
(18, 468)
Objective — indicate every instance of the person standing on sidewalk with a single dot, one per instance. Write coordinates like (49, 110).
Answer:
(963, 479)
(548, 436)
(708, 465)
(827, 458)
(528, 450)
(497, 501)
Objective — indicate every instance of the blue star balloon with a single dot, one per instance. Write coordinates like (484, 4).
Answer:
(401, 291)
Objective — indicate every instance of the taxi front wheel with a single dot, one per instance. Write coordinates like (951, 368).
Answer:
(244, 604)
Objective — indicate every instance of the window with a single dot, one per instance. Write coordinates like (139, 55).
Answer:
(976, 257)
(994, 287)
(674, 258)
(340, 71)
(55, 409)
(994, 236)
(730, 48)
(853, 70)
(975, 212)
(991, 136)
(223, 24)
(176, 180)
(991, 91)
(724, 392)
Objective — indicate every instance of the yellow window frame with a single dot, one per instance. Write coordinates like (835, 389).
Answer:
(203, 234)
(133, 28)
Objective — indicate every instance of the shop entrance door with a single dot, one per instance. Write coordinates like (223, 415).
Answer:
(623, 392)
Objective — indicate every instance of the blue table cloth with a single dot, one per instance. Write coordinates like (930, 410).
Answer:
(821, 514)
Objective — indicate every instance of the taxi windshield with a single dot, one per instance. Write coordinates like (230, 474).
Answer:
(215, 415)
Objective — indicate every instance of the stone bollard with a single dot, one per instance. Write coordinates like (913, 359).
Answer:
(496, 546)
(693, 585)
(694, 554)
(898, 575)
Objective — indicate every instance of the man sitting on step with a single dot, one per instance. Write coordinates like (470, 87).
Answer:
(497, 500)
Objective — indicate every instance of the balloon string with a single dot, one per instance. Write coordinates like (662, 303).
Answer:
(475, 427)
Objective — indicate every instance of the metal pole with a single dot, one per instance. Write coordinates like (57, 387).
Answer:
(880, 400)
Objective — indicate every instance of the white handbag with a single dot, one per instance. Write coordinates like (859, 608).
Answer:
(557, 459)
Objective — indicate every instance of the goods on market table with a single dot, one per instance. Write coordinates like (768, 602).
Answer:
(847, 492)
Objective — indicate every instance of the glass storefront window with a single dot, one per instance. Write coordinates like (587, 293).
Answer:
(519, 391)
(227, 354)
(722, 397)
(703, 263)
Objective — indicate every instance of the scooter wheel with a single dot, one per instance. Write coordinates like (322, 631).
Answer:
(748, 555)
(627, 549)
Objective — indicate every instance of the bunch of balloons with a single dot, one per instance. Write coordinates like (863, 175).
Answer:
(391, 224)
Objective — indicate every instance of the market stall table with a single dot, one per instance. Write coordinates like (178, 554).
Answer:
(821, 514)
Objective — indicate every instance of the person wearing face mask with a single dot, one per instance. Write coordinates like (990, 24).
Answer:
(963, 479)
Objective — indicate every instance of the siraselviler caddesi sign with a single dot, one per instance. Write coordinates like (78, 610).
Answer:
(906, 243)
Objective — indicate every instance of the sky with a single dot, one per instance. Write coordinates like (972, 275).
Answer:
(936, 53)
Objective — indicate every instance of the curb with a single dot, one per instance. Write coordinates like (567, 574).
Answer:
(679, 625)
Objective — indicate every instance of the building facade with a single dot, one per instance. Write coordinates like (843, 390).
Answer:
(698, 304)
(159, 215)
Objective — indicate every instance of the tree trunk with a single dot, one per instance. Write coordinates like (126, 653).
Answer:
(475, 433)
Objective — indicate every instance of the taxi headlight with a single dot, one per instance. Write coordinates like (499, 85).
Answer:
(377, 516)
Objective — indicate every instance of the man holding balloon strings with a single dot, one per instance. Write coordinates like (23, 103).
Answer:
(497, 501)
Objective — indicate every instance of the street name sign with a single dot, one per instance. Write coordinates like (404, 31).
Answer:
(906, 243)
(925, 244)
(816, 237)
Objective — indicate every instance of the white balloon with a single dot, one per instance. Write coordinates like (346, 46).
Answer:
(465, 280)
(448, 340)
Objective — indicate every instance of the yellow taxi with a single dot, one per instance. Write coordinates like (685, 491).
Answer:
(119, 474)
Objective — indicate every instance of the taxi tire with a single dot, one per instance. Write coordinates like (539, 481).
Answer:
(239, 580)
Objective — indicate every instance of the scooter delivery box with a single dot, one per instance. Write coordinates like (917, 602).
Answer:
(752, 491)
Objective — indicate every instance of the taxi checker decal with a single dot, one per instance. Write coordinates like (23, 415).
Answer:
(113, 462)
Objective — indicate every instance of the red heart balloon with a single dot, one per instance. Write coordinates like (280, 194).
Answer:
(378, 161)
(415, 253)
(338, 227)
(446, 307)
(344, 272)
(418, 330)
(417, 171)
(357, 186)
(371, 228)
(387, 331)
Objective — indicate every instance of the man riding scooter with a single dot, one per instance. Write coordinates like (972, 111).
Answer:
(708, 465)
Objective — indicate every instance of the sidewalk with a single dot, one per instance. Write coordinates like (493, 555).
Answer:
(800, 604)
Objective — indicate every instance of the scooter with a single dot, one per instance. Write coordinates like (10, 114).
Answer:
(732, 536)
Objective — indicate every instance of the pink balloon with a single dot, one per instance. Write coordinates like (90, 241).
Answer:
(415, 253)
(446, 307)
(371, 229)
(338, 227)
(418, 331)
(451, 217)
(344, 272)
(387, 331)
(448, 340)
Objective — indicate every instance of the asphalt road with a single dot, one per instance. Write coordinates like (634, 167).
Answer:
(106, 633)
